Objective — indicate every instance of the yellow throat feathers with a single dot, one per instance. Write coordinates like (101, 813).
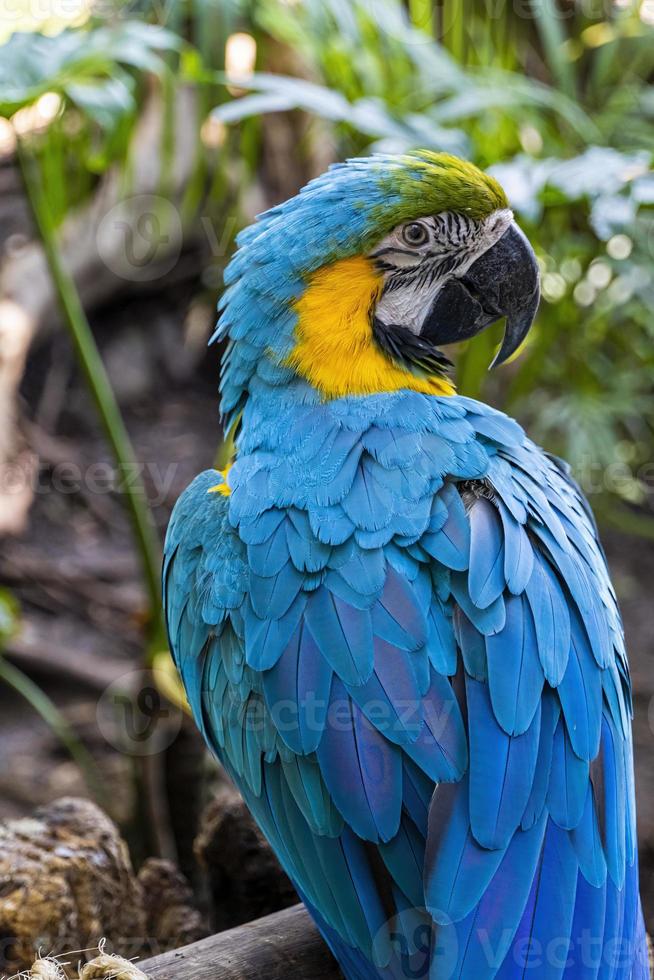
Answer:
(335, 350)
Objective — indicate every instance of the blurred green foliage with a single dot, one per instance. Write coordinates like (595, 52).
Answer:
(94, 72)
(559, 103)
(555, 96)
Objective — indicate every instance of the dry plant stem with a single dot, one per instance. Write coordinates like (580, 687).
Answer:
(100, 388)
(17, 462)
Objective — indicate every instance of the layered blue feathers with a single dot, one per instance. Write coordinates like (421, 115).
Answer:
(399, 636)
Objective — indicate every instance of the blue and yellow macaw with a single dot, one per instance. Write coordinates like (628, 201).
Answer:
(392, 615)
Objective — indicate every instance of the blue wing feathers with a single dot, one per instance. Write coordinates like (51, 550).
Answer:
(274, 595)
(486, 580)
(450, 545)
(399, 635)
(307, 554)
(568, 784)
(266, 639)
(588, 920)
(392, 698)
(472, 645)
(502, 769)
(270, 556)
(543, 774)
(441, 643)
(543, 934)
(404, 857)
(359, 765)
(610, 793)
(338, 586)
(515, 674)
(484, 936)
(580, 692)
(418, 791)
(552, 618)
(440, 749)
(457, 868)
(518, 553)
(488, 621)
(587, 843)
(343, 634)
(297, 692)
(397, 605)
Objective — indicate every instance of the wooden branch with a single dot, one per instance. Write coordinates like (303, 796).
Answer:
(282, 946)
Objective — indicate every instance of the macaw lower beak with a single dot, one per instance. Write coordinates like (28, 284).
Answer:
(503, 282)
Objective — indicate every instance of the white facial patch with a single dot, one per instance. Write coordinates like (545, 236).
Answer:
(418, 257)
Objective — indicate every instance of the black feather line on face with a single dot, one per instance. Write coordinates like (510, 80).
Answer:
(422, 275)
(410, 351)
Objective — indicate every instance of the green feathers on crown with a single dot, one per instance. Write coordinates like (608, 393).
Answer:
(425, 182)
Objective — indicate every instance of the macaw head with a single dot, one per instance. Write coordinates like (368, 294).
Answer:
(355, 285)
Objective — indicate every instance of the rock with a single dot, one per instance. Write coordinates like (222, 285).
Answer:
(245, 879)
(67, 882)
(171, 919)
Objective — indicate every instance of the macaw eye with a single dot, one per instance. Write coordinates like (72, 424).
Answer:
(415, 234)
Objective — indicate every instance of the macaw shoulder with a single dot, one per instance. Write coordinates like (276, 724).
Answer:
(379, 472)
(200, 517)
(204, 567)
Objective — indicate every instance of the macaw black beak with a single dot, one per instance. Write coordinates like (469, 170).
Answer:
(504, 281)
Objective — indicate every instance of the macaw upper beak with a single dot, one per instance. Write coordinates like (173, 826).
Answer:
(504, 281)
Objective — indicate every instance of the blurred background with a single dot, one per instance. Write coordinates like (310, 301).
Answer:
(136, 139)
